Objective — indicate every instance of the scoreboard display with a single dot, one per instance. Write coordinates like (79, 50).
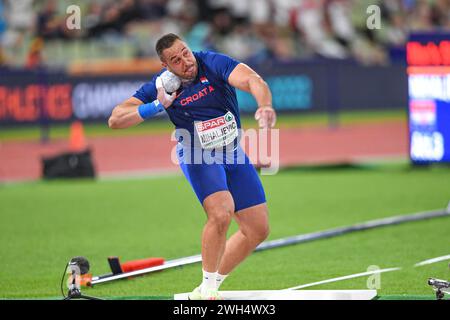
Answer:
(428, 57)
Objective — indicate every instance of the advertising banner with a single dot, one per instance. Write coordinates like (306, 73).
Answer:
(429, 97)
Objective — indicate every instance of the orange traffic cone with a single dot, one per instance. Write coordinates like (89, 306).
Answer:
(77, 138)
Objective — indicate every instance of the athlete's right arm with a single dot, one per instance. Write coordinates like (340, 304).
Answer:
(134, 111)
(126, 114)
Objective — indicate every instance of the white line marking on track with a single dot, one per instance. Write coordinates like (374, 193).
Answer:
(356, 275)
(433, 260)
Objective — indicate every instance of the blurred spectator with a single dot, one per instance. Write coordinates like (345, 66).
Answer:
(311, 22)
(440, 13)
(338, 13)
(92, 16)
(421, 18)
(49, 22)
(129, 11)
(182, 12)
(110, 21)
(152, 9)
(20, 14)
(280, 45)
(285, 11)
(397, 30)
(241, 41)
(221, 25)
(255, 11)
(197, 26)
(20, 19)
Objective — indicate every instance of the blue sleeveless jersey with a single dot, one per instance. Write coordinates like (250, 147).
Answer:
(208, 96)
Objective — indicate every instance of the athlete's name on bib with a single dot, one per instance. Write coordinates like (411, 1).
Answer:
(222, 132)
(202, 93)
(217, 132)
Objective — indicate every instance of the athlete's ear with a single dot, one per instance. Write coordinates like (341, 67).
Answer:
(163, 60)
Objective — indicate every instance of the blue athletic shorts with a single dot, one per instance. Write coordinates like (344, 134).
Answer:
(230, 171)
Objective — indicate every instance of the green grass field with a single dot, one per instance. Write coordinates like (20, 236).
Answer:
(44, 224)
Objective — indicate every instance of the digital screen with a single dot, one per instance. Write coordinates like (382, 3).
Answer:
(428, 57)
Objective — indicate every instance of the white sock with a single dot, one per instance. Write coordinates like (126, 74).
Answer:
(219, 279)
(209, 281)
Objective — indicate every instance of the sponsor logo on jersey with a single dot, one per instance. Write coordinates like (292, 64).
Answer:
(210, 124)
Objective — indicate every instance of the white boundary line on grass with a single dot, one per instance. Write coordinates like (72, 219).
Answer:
(433, 260)
(356, 275)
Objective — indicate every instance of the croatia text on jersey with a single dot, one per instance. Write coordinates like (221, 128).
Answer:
(196, 96)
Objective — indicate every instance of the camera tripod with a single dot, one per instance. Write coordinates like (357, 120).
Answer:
(77, 266)
(441, 287)
(75, 293)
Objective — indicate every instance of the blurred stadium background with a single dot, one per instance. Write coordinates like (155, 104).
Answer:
(254, 31)
(345, 118)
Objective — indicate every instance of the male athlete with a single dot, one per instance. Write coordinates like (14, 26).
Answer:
(206, 107)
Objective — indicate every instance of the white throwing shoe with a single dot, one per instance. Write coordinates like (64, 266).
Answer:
(210, 294)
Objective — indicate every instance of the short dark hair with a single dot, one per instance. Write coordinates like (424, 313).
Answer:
(166, 41)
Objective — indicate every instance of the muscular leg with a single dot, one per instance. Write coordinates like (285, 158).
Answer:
(219, 208)
(253, 229)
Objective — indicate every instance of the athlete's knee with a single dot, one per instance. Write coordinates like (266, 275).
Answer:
(220, 215)
(219, 208)
(256, 229)
(261, 233)
(220, 218)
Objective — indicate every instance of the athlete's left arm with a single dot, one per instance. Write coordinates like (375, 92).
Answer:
(245, 78)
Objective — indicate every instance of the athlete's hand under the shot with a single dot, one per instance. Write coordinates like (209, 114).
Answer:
(266, 117)
(164, 98)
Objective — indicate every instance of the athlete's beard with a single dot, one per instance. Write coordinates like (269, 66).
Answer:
(186, 82)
